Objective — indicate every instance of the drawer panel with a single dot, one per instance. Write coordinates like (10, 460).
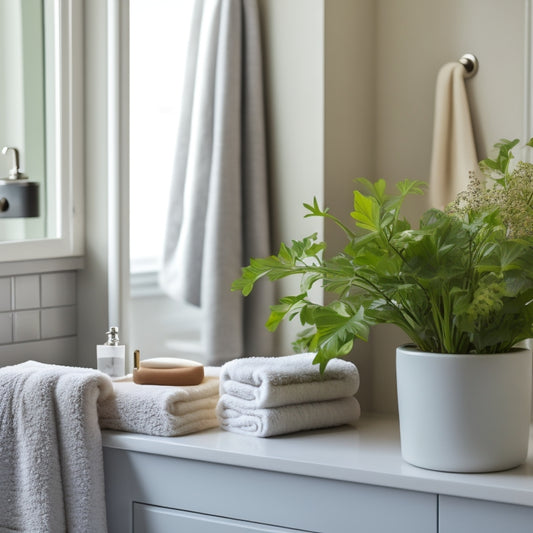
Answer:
(151, 519)
(260, 496)
(465, 515)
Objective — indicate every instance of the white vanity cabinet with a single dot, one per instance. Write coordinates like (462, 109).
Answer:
(172, 494)
(466, 515)
(331, 481)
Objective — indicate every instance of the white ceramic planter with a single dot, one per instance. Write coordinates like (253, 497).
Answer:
(464, 413)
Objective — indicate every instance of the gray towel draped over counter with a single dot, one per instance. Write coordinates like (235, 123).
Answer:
(218, 213)
(51, 459)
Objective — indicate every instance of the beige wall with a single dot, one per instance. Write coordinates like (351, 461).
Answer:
(414, 39)
(349, 127)
(350, 86)
(293, 34)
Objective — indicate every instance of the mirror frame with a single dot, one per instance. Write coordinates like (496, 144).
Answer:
(67, 144)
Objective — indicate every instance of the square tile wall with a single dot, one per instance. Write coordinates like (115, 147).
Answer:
(26, 293)
(37, 306)
(6, 328)
(5, 294)
(58, 289)
(26, 326)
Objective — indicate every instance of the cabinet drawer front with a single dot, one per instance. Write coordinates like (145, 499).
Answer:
(152, 519)
(260, 497)
(465, 515)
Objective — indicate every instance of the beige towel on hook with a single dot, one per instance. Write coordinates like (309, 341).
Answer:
(454, 150)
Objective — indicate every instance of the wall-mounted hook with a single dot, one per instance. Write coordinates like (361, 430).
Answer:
(470, 63)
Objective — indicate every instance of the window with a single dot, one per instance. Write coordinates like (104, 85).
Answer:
(159, 30)
(158, 43)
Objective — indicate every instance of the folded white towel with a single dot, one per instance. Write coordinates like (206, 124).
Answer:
(235, 417)
(161, 410)
(51, 468)
(278, 381)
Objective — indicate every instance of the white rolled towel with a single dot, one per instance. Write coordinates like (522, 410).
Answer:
(235, 417)
(266, 382)
(165, 411)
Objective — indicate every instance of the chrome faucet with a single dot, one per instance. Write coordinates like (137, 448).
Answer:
(14, 173)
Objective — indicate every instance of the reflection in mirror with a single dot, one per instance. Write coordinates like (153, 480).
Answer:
(23, 112)
(40, 117)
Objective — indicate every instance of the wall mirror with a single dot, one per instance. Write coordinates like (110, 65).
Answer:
(40, 118)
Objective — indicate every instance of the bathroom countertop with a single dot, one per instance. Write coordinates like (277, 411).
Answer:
(369, 453)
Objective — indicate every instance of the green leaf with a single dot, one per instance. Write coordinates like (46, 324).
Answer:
(304, 341)
(500, 163)
(337, 327)
(314, 210)
(366, 212)
(289, 261)
(289, 305)
(407, 187)
(459, 282)
(308, 280)
(277, 314)
(285, 254)
(376, 189)
(307, 314)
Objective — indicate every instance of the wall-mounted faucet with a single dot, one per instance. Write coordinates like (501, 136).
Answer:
(14, 172)
(19, 197)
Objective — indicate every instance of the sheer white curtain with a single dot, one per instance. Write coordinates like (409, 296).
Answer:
(218, 211)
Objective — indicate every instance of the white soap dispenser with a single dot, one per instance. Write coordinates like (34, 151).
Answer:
(111, 356)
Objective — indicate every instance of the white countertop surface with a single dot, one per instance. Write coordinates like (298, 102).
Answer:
(369, 453)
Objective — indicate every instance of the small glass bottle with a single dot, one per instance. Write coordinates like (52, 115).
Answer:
(111, 356)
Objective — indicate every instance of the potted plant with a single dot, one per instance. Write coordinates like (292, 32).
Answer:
(460, 286)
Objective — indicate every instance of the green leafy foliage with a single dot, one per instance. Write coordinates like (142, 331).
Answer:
(461, 282)
(500, 163)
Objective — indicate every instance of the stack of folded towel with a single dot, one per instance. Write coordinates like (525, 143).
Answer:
(267, 396)
(166, 411)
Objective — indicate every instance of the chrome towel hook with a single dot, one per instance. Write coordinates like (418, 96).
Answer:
(470, 63)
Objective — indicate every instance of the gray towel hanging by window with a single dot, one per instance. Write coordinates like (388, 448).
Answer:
(218, 211)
